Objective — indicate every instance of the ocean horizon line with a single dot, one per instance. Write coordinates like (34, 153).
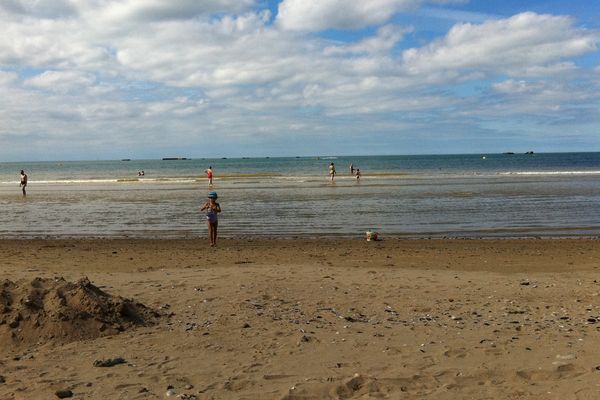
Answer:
(184, 158)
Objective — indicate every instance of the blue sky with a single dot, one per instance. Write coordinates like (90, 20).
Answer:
(83, 79)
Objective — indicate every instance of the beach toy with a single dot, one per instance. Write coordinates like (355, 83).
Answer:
(212, 195)
(372, 236)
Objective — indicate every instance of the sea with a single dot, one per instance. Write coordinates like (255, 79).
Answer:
(412, 196)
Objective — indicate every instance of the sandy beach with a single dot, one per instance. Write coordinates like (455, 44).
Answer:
(303, 319)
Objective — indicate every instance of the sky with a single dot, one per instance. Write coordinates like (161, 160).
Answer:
(111, 79)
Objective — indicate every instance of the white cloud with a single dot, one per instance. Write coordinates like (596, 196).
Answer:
(61, 81)
(8, 78)
(386, 39)
(50, 42)
(180, 106)
(517, 45)
(317, 15)
(559, 68)
(229, 51)
(38, 8)
(547, 98)
(515, 87)
(158, 10)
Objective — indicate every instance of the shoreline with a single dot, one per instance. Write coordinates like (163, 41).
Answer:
(306, 180)
(553, 253)
(332, 237)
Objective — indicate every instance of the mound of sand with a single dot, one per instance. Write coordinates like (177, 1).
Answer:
(54, 310)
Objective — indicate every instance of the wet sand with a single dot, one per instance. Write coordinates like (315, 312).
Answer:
(302, 319)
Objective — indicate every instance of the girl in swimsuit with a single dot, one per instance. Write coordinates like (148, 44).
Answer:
(212, 209)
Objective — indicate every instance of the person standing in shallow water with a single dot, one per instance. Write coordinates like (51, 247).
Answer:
(212, 208)
(23, 183)
(332, 171)
(209, 175)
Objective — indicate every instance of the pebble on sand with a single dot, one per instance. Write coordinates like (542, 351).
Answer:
(109, 362)
(63, 394)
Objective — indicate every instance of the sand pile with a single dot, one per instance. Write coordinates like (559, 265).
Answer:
(55, 310)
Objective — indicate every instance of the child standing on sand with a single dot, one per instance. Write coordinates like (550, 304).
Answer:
(212, 209)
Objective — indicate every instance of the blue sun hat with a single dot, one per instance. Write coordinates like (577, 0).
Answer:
(212, 195)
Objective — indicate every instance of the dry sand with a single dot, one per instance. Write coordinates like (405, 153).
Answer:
(296, 319)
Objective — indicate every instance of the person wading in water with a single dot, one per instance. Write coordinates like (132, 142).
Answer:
(23, 183)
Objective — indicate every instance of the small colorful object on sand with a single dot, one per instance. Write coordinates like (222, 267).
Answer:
(372, 236)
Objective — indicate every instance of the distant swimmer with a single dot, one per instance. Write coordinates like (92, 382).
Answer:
(209, 175)
(212, 209)
(23, 183)
(351, 169)
(332, 171)
(357, 175)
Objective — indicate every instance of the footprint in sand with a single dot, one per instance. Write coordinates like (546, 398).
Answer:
(355, 387)
(455, 353)
(560, 371)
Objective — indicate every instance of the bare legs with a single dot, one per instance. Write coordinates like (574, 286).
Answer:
(212, 233)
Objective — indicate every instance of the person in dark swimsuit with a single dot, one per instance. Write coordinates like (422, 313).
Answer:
(332, 171)
(23, 183)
